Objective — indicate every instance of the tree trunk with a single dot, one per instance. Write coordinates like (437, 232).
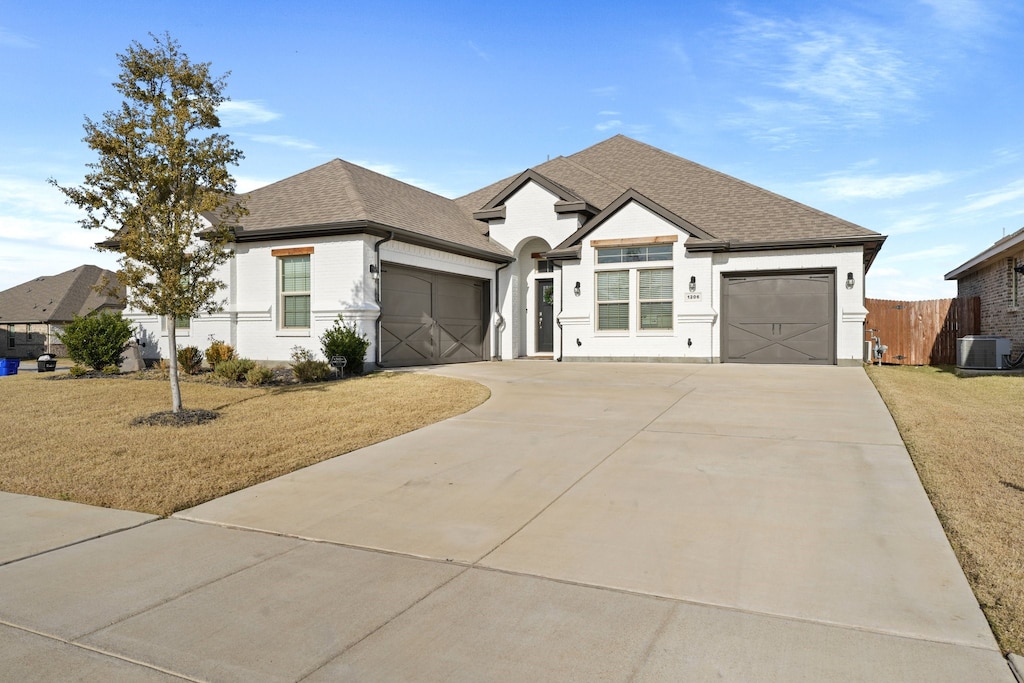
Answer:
(172, 342)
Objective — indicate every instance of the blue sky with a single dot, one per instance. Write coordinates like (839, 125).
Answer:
(904, 117)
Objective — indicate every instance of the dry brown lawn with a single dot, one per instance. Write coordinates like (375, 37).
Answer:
(71, 439)
(966, 437)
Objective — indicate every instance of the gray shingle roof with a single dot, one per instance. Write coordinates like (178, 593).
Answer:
(59, 298)
(726, 208)
(340, 192)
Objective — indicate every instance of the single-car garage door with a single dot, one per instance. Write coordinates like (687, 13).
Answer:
(431, 317)
(785, 317)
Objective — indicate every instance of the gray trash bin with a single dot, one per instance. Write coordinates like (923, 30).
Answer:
(46, 363)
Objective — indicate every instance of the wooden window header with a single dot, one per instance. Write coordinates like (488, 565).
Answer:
(635, 241)
(292, 251)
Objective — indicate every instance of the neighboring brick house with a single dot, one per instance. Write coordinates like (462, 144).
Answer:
(995, 277)
(32, 313)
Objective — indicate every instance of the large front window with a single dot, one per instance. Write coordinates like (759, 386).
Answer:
(613, 300)
(295, 287)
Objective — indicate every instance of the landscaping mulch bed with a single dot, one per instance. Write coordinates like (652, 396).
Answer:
(281, 377)
(184, 418)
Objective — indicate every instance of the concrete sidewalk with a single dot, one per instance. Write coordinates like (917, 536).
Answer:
(588, 522)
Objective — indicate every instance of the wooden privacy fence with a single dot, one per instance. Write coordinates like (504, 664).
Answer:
(922, 332)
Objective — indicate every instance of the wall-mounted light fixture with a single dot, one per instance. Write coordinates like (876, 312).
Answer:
(1019, 269)
(693, 283)
(849, 280)
(373, 271)
(576, 289)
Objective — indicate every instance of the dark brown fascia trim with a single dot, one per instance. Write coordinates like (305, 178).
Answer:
(871, 243)
(489, 214)
(768, 245)
(529, 174)
(625, 198)
(581, 206)
(369, 228)
(562, 254)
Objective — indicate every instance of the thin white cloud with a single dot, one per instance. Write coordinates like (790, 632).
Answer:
(238, 113)
(986, 200)
(479, 53)
(939, 251)
(282, 141)
(605, 91)
(880, 187)
(815, 73)
(608, 125)
(9, 39)
(960, 15)
(918, 221)
(609, 113)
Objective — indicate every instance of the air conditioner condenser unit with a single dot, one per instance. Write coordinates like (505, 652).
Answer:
(983, 352)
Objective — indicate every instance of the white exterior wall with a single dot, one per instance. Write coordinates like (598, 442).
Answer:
(696, 333)
(152, 330)
(530, 225)
(341, 283)
(691, 320)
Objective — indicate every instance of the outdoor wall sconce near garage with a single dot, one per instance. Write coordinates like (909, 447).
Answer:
(373, 271)
(849, 280)
(576, 289)
(693, 283)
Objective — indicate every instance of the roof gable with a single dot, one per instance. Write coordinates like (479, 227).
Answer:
(627, 197)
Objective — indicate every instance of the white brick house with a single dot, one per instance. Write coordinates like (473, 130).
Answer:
(619, 252)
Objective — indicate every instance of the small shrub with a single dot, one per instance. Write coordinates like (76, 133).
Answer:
(111, 370)
(219, 352)
(96, 341)
(345, 340)
(259, 375)
(78, 370)
(190, 361)
(307, 368)
(234, 370)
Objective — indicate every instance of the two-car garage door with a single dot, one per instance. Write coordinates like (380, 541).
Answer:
(785, 317)
(431, 317)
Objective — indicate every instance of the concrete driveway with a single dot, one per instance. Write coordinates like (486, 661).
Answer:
(589, 522)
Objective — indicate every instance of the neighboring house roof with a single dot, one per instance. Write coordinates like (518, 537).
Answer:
(340, 197)
(1012, 242)
(59, 298)
(729, 212)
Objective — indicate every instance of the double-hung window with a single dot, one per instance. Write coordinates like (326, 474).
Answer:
(612, 300)
(652, 296)
(655, 296)
(295, 290)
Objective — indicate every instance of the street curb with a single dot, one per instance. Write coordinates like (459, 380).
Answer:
(1016, 666)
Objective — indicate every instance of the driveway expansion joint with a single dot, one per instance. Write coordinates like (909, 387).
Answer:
(100, 651)
(83, 540)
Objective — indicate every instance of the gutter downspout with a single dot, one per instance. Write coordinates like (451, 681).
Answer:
(561, 309)
(499, 320)
(376, 296)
